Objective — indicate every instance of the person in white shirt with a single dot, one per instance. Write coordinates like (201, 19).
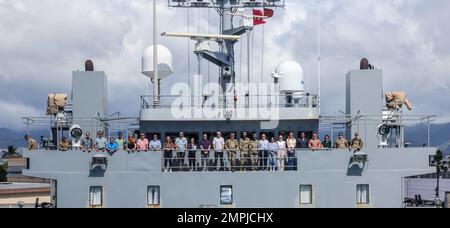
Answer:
(263, 148)
(273, 151)
(282, 153)
(219, 144)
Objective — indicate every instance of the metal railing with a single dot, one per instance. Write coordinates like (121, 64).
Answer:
(173, 160)
(211, 102)
(216, 5)
(60, 125)
(364, 124)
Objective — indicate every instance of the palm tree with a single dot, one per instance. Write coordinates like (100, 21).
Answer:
(10, 152)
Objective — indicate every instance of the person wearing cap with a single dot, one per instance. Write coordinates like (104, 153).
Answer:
(341, 142)
(357, 143)
(100, 142)
(232, 145)
(31, 143)
(254, 154)
(64, 145)
(244, 145)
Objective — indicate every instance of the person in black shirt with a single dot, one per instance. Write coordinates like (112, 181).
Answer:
(303, 142)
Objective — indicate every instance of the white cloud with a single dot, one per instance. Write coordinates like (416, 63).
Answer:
(43, 41)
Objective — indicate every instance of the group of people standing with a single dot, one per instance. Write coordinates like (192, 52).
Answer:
(246, 154)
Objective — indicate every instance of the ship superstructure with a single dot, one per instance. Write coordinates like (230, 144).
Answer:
(371, 176)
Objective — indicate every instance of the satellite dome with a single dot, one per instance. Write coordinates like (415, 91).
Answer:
(290, 77)
(165, 68)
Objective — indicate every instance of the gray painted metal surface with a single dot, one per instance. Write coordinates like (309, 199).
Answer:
(365, 98)
(89, 96)
(334, 181)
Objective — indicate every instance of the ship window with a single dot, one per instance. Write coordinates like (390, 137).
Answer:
(306, 194)
(362, 194)
(153, 196)
(96, 196)
(226, 195)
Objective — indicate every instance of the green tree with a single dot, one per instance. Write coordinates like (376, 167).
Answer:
(10, 152)
(3, 170)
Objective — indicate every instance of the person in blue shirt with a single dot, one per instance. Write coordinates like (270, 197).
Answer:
(155, 144)
(112, 146)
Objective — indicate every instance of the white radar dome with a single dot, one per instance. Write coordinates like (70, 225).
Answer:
(290, 77)
(165, 68)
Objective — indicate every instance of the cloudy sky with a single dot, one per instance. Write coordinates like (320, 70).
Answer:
(41, 42)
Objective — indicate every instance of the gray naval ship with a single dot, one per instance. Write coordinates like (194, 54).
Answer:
(371, 176)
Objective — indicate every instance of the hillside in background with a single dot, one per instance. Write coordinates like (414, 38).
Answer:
(15, 138)
(440, 136)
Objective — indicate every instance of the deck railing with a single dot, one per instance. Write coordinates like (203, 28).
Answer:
(242, 102)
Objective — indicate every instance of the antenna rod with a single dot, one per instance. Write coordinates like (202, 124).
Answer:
(155, 57)
(319, 58)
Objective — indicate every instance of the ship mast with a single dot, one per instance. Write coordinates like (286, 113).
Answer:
(224, 58)
(155, 58)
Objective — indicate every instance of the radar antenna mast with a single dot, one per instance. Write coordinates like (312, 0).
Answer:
(224, 58)
(155, 58)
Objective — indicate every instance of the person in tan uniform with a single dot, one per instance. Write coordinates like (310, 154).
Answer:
(244, 144)
(31, 143)
(357, 143)
(341, 142)
(232, 146)
(254, 153)
(64, 145)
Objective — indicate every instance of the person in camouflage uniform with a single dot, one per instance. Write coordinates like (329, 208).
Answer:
(254, 153)
(357, 143)
(244, 144)
(232, 146)
(341, 142)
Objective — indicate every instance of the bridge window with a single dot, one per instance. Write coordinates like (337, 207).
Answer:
(226, 195)
(153, 196)
(362, 194)
(96, 196)
(306, 194)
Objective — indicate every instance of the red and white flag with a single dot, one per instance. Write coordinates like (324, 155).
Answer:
(259, 16)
